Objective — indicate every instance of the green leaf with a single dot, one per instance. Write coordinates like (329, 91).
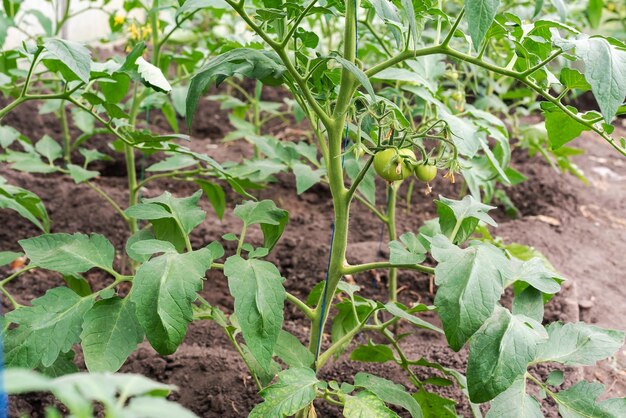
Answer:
(17, 381)
(152, 246)
(257, 287)
(573, 79)
(470, 284)
(215, 195)
(63, 365)
(141, 235)
(529, 302)
(500, 353)
(164, 289)
(265, 213)
(8, 135)
(151, 407)
(462, 216)
(515, 403)
(388, 392)
(292, 352)
(78, 284)
(365, 405)
(49, 148)
(116, 89)
(306, 177)
(110, 334)
(247, 62)
(25, 203)
(555, 378)
(152, 76)
(560, 127)
(409, 250)
(358, 74)
(580, 401)
(372, 353)
(49, 327)
(194, 5)
(400, 311)
(172, 218)
(537, 274)
(594, 12)
(480, 15)
(294, 390)
(578, 344)
(74, 55)
(7, 257)
(174, 162)
(79, 174)
(434, 406)
(605, 70)
(69, 254)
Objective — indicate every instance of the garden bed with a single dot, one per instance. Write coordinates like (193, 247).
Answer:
(579, 228)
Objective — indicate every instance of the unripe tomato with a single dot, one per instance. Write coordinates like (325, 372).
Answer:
(390, 164)
(426, 173)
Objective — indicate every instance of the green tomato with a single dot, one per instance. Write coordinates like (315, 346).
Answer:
(426, 173)
(390, 164)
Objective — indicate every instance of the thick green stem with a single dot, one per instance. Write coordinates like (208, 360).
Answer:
(341, 200)
(129, 154)
(154, 28)
(67, 139)
(386, 265)
(392, 192)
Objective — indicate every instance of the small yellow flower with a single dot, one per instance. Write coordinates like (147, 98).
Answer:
(118, 20)
(134, 32)
(450, 176)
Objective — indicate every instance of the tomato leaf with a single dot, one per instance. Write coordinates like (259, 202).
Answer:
(605, 71)
(580, 400)
(25, 203)
(294, 390)
(366, 404)
(515, 403)
(462, 216)
(408, 250)
(69, 254)
(163, 291)
(388, 392)
(292, 352)
(257, 287)
(247, 62)
(480, 15)
(74, 55)
(111, 332)
(372, 353)
(172, 218)
(152, 76)
(500, 352)
(49, 327)
(578, 344)
(470, 283)
(265, 213)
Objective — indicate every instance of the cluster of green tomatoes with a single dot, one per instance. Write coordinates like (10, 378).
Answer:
(394, 164)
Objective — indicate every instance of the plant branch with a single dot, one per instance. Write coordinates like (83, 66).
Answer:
(448, 38)
(359, 179)
(296, 24)
(349, 269)
(541, 64)
(300, 305)
(109, 199)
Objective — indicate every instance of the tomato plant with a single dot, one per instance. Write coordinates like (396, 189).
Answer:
(406, 86)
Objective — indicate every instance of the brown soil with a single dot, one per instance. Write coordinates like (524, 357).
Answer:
(578, 227)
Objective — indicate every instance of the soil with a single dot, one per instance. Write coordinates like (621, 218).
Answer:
(578, 227)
